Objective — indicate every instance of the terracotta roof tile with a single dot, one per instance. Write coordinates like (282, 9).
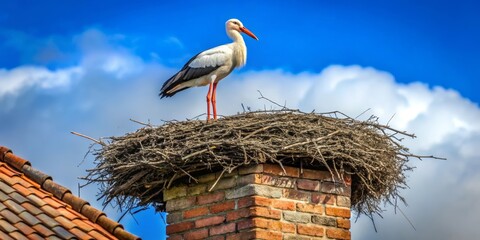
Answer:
(29, 218)
(35, 200)
(13, 206)
(62, 232)
(6, 188)
(3, 197)
(18, 235)
(10, 216)
(43, 230)
(80, 234)
(18, 198)
(24, 228)
(5, 226)
(35, 236)
(33, 206)
(47, 220)
(4, 236)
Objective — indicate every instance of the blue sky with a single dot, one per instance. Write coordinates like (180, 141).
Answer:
(90, 66)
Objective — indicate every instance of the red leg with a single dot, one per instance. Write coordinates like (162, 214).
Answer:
(214, 100)
(209, 98)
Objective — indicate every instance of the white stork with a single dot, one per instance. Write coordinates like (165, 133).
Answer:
(211, 66)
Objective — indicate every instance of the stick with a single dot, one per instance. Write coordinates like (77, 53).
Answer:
(89, 138)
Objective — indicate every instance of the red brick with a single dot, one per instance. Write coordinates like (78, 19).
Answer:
(323, 198)
(175, 237)
(197, 234)
(310, 208)
(277, 170)
(338, 233)
(336, 188)
(180, 203)
(315, 174)
(218, 237)
(254, 201)
(209, 221)
(210, 198)
(195, 212)
(234, 215)
(257, 168)
(265, 212)
(222, 229)
(270, 224)
(222, 207)
(296, 195)
(241, 236)
(310, 230)
(343, 223)
(308, 185)
(223, 183)
(266, 234)
(179, 227)
(284, 182)
(248, 179)
(284, 204)
(337, 212)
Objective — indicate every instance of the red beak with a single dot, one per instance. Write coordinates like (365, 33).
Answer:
(246, 31)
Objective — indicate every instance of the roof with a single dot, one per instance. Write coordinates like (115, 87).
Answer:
(33, 206)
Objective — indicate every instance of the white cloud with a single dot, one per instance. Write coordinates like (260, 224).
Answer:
(15, 80)
(113, 85)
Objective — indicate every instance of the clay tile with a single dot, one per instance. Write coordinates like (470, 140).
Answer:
(34, 174)
(3, 197)
(62, 233)
(17, 197)
(4, 236)
(108, 224)
(15, 161)
(6, 188)
(50, 210)
(54, 188)
(74, 201)
(5, 226)
(47, 220)
(3, 151)
(29, 218)
(18, 235)
(124, 235)
(34, 199)
(83, 225)
(91, 213)
(96, 234)
(79, 233)
(42, 230)
(24, 228)
(35, 236)
(10, 216)
(64, 222)
(13, 206)
(31, 208)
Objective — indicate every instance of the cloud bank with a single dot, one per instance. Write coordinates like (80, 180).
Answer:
(110, 85)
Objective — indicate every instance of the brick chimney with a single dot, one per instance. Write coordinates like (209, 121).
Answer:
(261, 202)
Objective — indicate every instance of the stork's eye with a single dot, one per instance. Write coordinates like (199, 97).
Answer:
(236, 23)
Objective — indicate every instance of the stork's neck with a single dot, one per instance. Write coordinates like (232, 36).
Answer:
(240, 49)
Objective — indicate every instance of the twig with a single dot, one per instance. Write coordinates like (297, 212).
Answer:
(141, 123)
(218, 179)
(89, 138)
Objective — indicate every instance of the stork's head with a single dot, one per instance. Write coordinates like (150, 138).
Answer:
(235, 25)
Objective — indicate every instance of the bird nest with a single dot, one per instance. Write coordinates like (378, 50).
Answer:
(134, 170)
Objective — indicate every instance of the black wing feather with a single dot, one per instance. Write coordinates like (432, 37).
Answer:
(187, 73)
